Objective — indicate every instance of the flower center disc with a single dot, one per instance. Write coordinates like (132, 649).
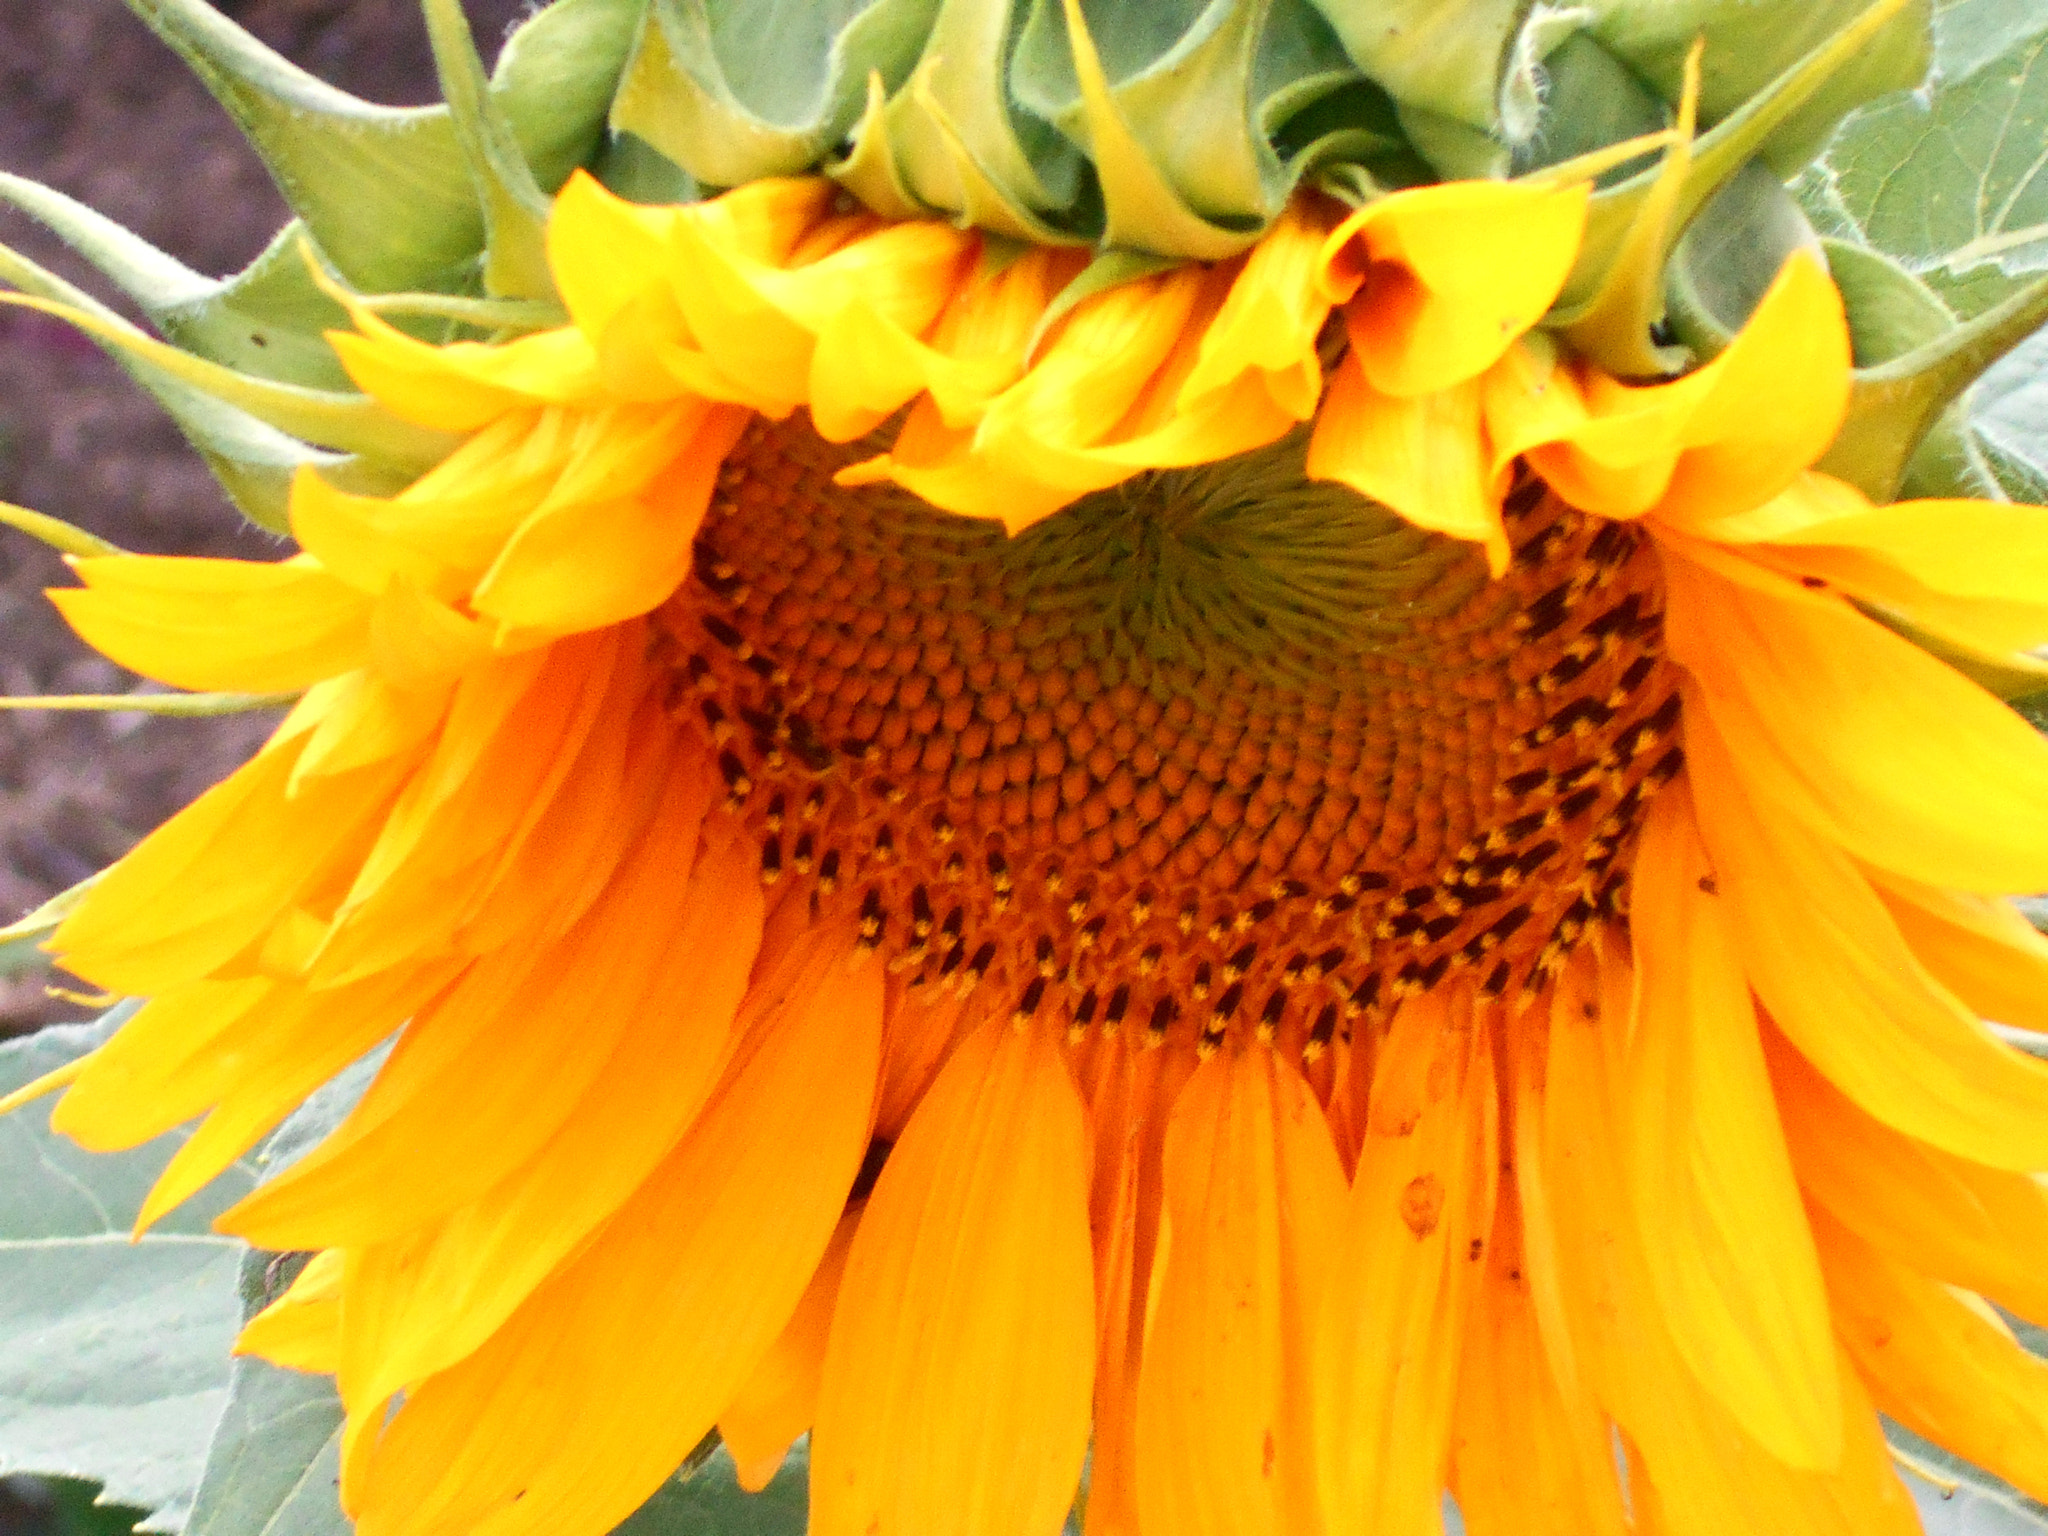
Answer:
(1217, 748)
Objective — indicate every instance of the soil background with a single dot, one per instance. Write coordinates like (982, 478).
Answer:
(93, 105)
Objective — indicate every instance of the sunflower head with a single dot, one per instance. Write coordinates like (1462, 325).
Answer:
(1201, 736)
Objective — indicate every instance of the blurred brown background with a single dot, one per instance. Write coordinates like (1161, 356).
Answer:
(92, 104)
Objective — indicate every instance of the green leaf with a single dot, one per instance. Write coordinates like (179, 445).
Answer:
(1443, 56)
(2009, 420)
(1748, 42)
(556, 77)
(1950, 181)
(710, 1502)
(113, 1355)
(515, 209)
(383, 189)
(272, 1466)
(1949, 187)
(1721, 270)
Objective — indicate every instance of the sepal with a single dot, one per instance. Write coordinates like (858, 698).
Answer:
(386, 191)
(515, 210)
(253, 459)
(1896, 404)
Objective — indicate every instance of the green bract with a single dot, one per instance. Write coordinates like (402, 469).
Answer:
(1172, 131)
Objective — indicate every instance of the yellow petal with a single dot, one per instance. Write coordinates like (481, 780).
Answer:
(586, 1399)
(1404, 1277)
(604, 250)
(114, 1100)
(248, 625)
(1692, 1471)
(780, 1398)
(1729, 1252)
(1272, 317)
(364, 721)
(1841, 725)
(1980, 1228)
(466, 384)
(1831, 966)
(301, 1330)
(199, 888)
(1527, 1458)
(1974, 571)
(1094, 371)
(979, 343)
(955, 1400)
(1424, 456)
(1719, 441)
(1943, 1368)
(485, 1078)
(1446, 277)
(579, 565)
(262, 1074)
(1780, 392)
(1255, 1197)
(720, 254)
(1979, 947)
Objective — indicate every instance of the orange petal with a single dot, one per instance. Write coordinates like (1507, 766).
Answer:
(1254, 1198)
(957, 1377)
(514, 739)
(1984, 1229)
(588, 1397)
(1394, 1314)
(1527, 1458)
(780, 1399)
(485, 1078)
(465, 1274)
(1130, 1090)
(1831, 966)
(1846, 728)
(1944, 1368)
(1723, 1230)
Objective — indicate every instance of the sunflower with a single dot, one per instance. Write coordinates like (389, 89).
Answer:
(1276, 874)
